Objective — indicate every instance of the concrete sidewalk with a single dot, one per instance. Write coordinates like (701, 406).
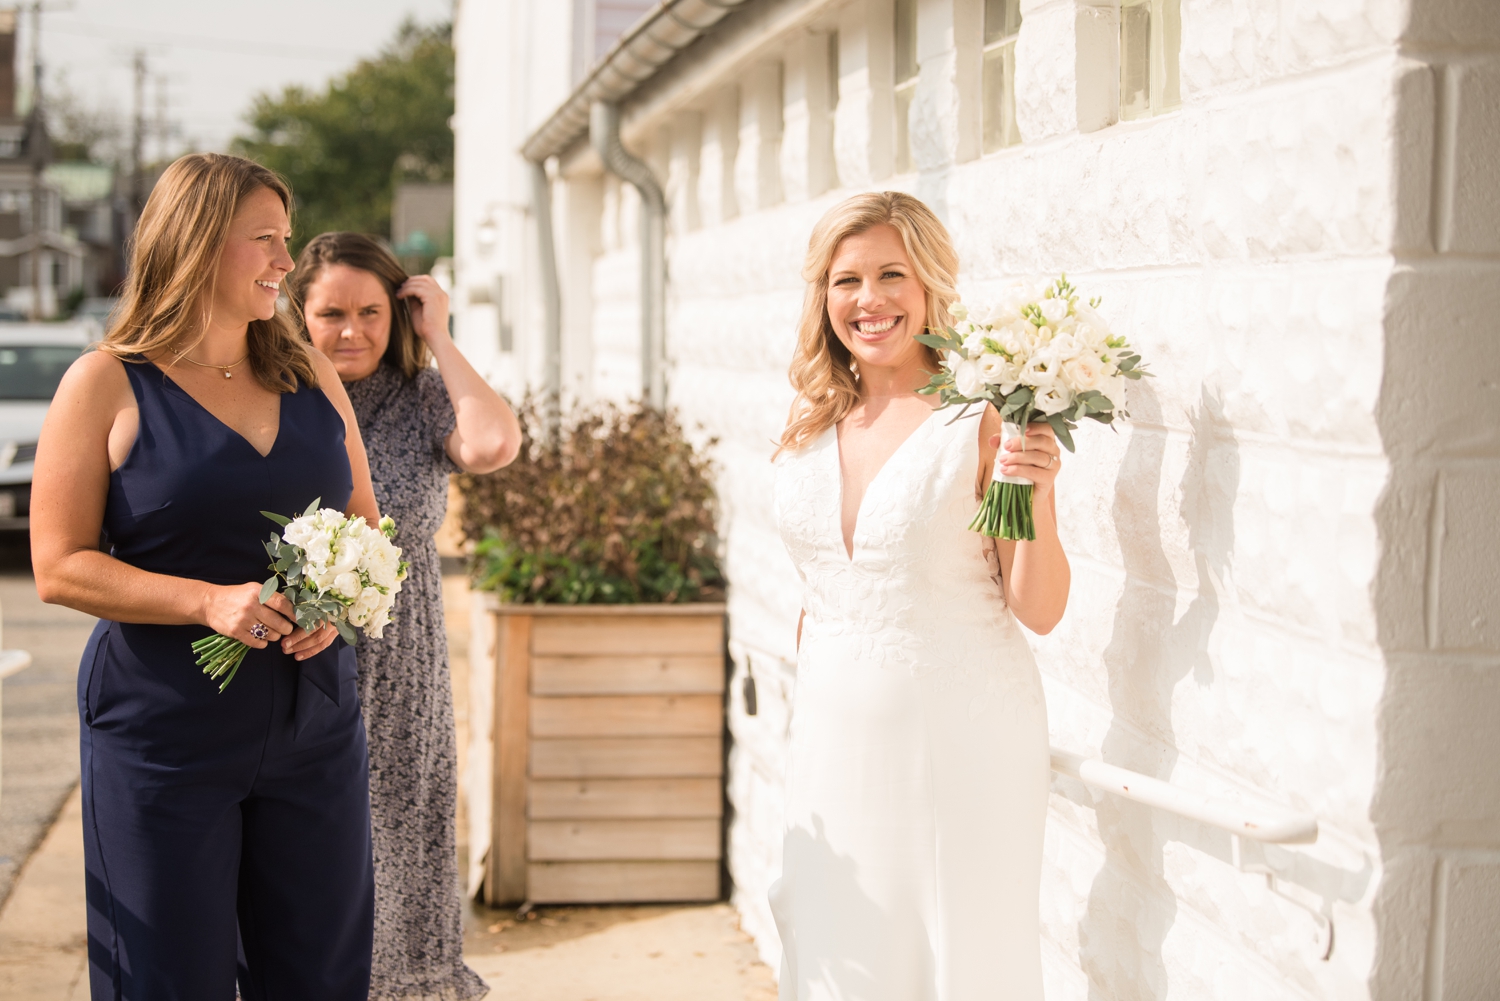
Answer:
(43, 945)
(689, 953)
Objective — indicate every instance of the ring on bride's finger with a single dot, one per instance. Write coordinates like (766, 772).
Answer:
(1050, 460)
(259, 631)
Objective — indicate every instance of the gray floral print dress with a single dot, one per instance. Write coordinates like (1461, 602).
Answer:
(408, 702)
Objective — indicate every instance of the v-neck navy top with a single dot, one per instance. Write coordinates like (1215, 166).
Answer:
(188, 498)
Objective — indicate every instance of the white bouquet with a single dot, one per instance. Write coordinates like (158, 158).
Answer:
(334, 569)
(1037, 355)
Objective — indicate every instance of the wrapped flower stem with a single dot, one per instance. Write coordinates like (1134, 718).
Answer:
(1006, 511)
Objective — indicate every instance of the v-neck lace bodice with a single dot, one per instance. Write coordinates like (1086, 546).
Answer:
(915, 562)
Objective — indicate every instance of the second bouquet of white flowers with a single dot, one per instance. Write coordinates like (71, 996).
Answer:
(332, 568)
(1037, 356)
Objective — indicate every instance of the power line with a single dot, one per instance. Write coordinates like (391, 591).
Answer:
(94, 29)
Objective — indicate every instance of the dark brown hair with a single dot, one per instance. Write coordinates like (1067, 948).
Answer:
(405, 350)
(174, 257)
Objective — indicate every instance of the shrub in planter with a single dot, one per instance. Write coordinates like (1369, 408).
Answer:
(618, 508)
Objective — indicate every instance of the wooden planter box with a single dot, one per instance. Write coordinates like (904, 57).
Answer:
(606, 755)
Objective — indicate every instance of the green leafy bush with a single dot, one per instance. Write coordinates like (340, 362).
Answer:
(619, 508)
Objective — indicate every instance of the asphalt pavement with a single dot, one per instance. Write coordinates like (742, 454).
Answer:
(38, 712)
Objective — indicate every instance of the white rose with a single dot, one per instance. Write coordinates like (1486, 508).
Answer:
(316, 550)
(967, 379)
(1052, 399)
(1040, 369)
(347, 584)
(1082, 373)
(1089, 316)
(998, 372)
(1092, 337)
(366, 601)
(974, 343)
(382, 561)
(300, 532)
(1065, 346)
(1053, 310)
(346, 555)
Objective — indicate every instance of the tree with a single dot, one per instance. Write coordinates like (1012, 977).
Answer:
(345, 150)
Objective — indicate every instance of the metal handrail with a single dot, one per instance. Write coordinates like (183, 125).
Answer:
(1268, 824)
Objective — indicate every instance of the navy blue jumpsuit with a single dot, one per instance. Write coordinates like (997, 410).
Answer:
(214, 823)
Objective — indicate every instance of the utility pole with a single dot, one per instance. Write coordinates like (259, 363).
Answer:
(138, 137)
(162, 128)
(37, 153)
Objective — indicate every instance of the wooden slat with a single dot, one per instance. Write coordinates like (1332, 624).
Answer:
(617, 840)
(594, 635)
(616, 882)
(507, 882)
(679, 675)
(627, 716)
(626, 757)
(619, 798)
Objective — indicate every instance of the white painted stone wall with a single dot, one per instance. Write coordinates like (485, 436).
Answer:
(1284, 564)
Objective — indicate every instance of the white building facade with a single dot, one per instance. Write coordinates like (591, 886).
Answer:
(1285, 564)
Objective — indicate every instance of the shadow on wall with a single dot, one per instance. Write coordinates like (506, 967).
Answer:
(1131, 906)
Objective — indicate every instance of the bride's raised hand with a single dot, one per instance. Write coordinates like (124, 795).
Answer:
(1039, 461)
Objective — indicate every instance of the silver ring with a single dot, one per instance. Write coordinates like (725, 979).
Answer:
(1050, 460)
(259, 631)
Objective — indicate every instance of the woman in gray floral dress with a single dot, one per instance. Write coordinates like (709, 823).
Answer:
(383, 330)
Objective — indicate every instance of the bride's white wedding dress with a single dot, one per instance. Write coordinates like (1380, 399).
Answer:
(916, 786)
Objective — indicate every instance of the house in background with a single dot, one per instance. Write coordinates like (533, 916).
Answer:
(421, 223)
(1284, 564)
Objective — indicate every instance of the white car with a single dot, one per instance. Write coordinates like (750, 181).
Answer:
(33, 358)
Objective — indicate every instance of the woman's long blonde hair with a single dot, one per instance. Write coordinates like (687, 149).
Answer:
(174, 260)
(821, 373)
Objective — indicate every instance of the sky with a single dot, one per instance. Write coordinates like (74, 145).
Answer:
(208, 58)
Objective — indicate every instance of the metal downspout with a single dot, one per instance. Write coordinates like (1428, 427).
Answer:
(541, 210)
(604, 135)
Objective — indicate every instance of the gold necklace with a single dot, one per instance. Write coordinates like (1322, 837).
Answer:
(222, 368)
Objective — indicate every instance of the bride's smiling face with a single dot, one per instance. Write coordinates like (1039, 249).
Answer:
(875, 302)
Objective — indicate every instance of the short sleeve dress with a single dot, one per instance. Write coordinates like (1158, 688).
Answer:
(407, 695)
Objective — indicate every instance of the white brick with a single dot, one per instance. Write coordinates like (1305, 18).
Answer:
(1470, 961)
(1475, 227)
(757, 165)
(864, 138)
(1047, 57)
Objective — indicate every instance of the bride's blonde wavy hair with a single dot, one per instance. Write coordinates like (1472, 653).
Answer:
(174, 259)
(822, 374)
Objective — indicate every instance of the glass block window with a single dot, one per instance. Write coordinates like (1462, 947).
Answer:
(906, 79)
(1150, 42)
(1002, 24)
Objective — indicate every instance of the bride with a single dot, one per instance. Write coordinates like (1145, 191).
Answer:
(916, 785)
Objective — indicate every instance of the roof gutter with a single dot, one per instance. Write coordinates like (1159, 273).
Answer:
(604, 135)
(593, 110)
(670, 27)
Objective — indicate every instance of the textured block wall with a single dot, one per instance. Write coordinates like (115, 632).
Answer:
(1282, 586)
(1437, 810)
(1221, 632)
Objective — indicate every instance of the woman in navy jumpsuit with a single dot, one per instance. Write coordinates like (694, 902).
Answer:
(227, 836)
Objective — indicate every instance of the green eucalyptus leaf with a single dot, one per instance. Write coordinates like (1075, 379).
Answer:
(313, 507)
(279, 519)
(267, 589)
(934, 341)
(346, 631)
